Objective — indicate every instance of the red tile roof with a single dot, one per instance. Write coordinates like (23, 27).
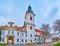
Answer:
(20, 28)
(38, 30)
(3, 27)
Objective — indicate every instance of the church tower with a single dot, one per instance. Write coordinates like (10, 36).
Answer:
(29, 16)
(30, 24)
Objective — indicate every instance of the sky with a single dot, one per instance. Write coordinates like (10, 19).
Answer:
(46, 11)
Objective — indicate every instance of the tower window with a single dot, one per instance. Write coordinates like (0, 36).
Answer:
(31, 27)
(30, 18)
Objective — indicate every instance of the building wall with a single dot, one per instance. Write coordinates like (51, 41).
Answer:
(28, 26)
(28, 15)
(31, 32)
(20, 36)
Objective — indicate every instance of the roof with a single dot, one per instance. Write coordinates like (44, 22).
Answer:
(38, 30)
(3, 27)
(19, 28)
(41, 32)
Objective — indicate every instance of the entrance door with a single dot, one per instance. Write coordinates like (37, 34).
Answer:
(10, 39)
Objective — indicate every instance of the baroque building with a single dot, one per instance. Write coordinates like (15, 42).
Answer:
(11, 33)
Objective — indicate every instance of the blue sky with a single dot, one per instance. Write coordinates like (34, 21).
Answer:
(47, 11)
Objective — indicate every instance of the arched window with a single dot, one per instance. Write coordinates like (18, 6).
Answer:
(30, 18)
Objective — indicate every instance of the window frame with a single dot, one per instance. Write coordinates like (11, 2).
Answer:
(31, 18)
(31, 40)
(30, 35)
(25, 40)
(22, 40)
(30, 27)
(26, 34)
(17, 33)
(8, 32)
(3, 39)
(17, 40)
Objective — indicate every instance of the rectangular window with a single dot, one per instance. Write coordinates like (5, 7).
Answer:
(22, 40)
(8, 32)
(31, 27)
(12, 32)
(3, 40)
(2, 32)
(17, 33)
(31, 35)
(25, 40)
(22, 34)
(30, 40)
(35, 38)
(26, 34)
(17, 40)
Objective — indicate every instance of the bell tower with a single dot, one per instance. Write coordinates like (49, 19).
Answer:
(30, 24)
(29, 16)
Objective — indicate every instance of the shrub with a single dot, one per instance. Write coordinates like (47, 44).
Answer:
(2, 44)
(57, 44)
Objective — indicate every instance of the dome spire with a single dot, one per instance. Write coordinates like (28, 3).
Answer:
(30, 9)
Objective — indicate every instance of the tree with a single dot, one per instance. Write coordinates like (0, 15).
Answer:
(56, 26)
(46, 28)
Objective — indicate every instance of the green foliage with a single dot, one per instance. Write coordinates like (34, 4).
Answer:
(57, 44)
(2, 44)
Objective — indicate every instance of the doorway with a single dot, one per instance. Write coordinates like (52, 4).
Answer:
(10, 39)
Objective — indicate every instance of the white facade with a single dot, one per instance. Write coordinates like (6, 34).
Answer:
(21, 36)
